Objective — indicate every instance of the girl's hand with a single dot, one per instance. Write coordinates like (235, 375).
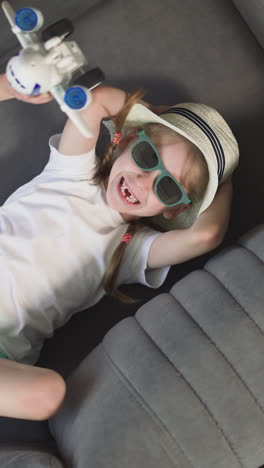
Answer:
(206, 233)
(41, 99)
(7, 92)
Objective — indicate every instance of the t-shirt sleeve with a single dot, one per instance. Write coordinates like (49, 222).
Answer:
(69, 166)
(135, 262)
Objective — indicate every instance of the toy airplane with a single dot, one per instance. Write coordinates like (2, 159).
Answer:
(48, 65)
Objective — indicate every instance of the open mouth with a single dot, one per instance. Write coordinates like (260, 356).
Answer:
(127, 195)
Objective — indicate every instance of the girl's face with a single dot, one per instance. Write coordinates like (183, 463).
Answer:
(130, 189)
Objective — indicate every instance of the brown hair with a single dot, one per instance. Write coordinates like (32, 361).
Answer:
(195, 191)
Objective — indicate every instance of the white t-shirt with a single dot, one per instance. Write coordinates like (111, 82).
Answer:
(57, 234)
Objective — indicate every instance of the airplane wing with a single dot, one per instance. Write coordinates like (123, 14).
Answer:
(25, 39)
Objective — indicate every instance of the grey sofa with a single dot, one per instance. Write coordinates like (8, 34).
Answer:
(181, 384)
(175, 380)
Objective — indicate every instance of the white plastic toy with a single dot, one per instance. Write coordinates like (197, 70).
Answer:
(48, 65)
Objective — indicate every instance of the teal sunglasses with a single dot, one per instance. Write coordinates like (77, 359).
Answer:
(166, 187)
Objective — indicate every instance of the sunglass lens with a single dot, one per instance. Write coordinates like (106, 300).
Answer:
(144, 155)
(168, 191)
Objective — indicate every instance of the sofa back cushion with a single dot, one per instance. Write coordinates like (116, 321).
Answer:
(253, 13)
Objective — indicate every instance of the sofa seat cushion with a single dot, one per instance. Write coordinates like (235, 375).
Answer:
(182, 382)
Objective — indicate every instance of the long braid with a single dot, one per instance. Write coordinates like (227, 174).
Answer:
(111, 274)
(102, 172)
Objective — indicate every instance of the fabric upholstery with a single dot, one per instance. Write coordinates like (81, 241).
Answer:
(253, 13)
(182, 383)
(24, 457)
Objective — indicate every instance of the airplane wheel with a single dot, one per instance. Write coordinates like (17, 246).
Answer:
(90, 79)
(61, 28)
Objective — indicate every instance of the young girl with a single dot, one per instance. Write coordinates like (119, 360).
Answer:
(83, 227)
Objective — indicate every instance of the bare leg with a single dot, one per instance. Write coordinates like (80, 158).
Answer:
(28, 392)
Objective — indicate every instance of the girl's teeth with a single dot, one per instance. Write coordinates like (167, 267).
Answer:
(130, 198)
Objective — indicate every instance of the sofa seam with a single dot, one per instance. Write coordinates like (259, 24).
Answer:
(255, 399)
(249, 250)
(146, 408)
(229, 443)
(236, 300)
(258, 404)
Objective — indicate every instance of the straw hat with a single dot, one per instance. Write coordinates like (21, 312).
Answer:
(207, 129)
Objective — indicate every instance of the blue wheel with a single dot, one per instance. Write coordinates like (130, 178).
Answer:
(76, 98)
(26, 19)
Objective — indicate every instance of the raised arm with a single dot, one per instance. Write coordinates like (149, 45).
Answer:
(106, 101)
(206, 233)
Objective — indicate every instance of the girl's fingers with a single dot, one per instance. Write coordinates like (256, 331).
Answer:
(47, 97)
(41, 99)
